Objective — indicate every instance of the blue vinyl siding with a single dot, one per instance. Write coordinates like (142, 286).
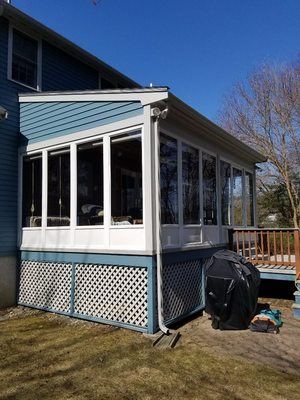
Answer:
(41, 121)
(8, 151)
(64, 72)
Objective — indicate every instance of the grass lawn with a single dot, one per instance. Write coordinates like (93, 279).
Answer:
(43, 356)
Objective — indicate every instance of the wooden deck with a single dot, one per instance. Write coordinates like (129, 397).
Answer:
(275, 252)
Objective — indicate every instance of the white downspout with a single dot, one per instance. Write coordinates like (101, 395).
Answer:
(157, 114)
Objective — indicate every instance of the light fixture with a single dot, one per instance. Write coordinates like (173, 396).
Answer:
(3, 113)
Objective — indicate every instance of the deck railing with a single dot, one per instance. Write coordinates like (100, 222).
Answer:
(267, 246)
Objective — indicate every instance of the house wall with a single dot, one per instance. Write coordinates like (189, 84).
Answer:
(8, 152)
(59, 71)
(63, 72)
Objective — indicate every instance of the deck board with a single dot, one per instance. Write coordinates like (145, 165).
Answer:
(275, 269)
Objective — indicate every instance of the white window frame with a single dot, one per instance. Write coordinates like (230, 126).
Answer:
(38, 88)
(106, 138)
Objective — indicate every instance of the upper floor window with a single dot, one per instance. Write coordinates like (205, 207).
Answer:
(24, 60)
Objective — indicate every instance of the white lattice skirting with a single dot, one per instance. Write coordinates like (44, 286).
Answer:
(183, 289)
(103, 292)
(110, 293)
(46, 285)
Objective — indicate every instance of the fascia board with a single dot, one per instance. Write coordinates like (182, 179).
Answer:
(144, 97)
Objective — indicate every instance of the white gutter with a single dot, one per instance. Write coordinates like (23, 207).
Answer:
(157, 113)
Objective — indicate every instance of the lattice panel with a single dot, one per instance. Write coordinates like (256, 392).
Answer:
(115, 293)
(183, 289)
(46, 285)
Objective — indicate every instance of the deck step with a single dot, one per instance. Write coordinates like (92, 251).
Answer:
(296, 310)
(297, 297)
(166, 341)
(275, 269)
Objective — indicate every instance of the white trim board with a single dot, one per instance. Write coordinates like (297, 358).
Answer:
(144, 97)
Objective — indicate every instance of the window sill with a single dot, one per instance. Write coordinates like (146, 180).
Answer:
(131, 226)
(38, 89)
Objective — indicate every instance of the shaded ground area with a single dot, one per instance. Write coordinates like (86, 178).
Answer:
(45, 356)
(281, 352)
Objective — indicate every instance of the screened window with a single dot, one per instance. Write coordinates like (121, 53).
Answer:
(225, 182)
(90, 183)
(190, 185)
(168, 180)
(237, 196)
(32, 191)
(59, 187)
(209, 189)
(126, 179)
(249, 198)
(24, 59)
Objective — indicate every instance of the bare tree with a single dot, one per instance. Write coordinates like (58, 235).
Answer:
(264, 112)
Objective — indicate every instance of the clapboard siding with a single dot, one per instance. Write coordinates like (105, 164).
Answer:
(8, 151)
(41, 121)
(63, 72)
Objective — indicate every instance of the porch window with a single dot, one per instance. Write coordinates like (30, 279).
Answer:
(237, 197)
(90, 183)
(32, 191)
(168, 180)
(126, 179)
(190, 185)
(225, 181)
(249, 198)
(24, 59)
(59, 187)
(209, 171)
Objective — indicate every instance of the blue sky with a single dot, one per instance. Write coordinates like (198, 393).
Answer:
(199, 48)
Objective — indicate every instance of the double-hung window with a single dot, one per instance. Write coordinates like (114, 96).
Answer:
(24, 60)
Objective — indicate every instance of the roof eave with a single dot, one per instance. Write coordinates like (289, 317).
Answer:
(144, 95)
(178, 106)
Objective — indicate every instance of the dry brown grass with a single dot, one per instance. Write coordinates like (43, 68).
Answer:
(50, 357)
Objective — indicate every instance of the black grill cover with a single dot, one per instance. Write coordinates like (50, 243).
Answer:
(232, 285)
